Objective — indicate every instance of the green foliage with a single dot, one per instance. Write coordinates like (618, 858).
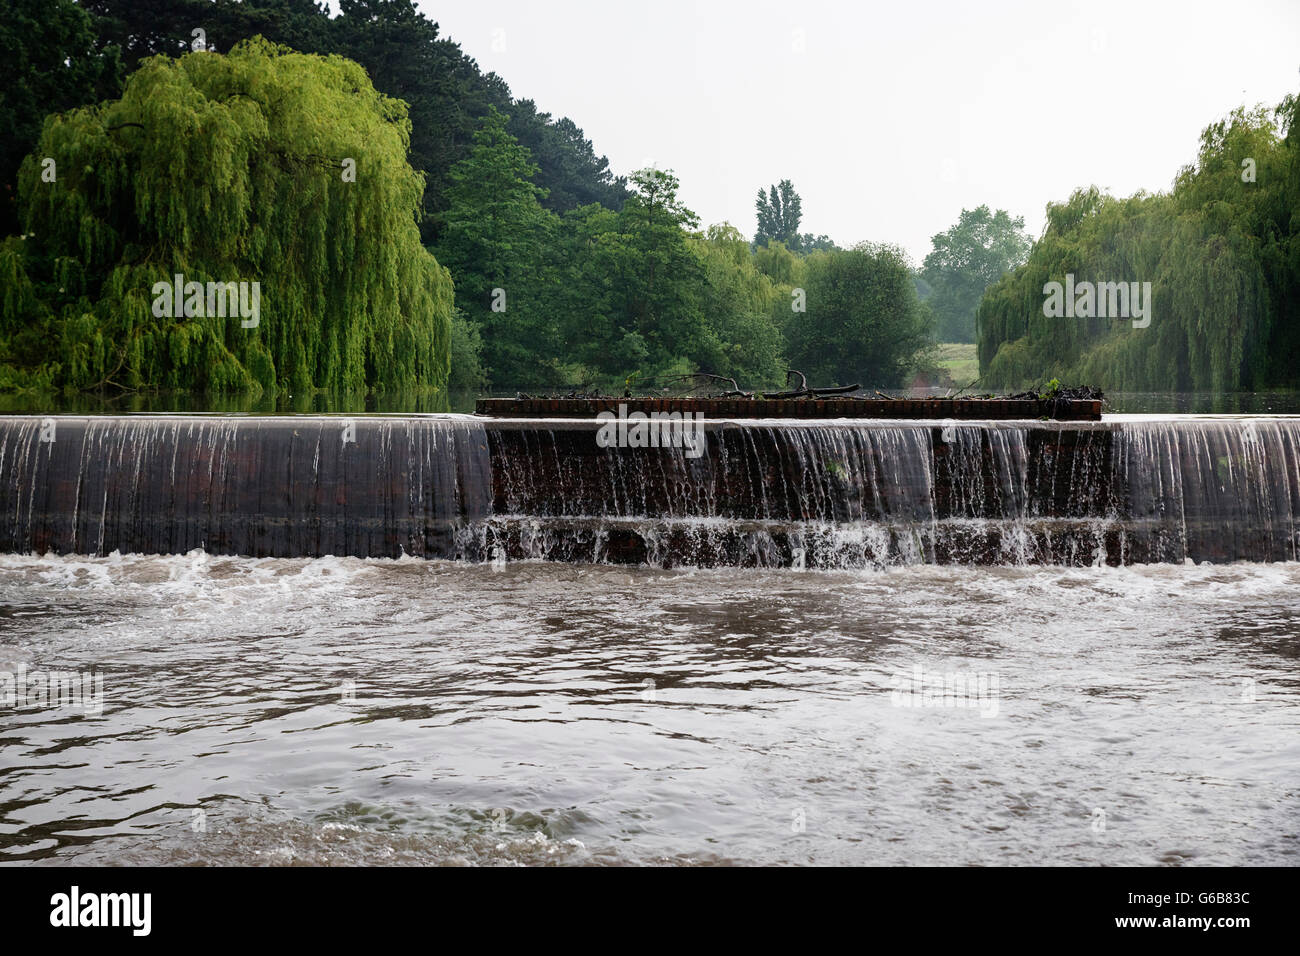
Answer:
(224, 167)
(493, 239)
(1221, 250)
(779, 214)
(977, 251)
(228, 168)
(627, 291)
(863, 323)
(467, 373)
(49, 46)
(597, 296)
(660, 308)
(569, 172)
(779, 264)
(807, 242)
(401, 49)
(738, 302)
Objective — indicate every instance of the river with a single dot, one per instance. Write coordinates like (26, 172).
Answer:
(349, 711)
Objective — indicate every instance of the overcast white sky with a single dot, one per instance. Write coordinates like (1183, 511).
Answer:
(888, 117)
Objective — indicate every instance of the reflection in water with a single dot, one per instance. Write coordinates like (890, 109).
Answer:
(462, 402)
(1204, 403)
(349, 711)
(310, 403)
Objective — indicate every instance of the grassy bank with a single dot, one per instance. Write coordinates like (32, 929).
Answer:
(959, 360)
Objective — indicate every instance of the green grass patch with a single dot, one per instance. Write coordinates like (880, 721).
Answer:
(959, 360)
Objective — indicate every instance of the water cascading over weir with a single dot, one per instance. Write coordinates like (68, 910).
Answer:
(763, 493)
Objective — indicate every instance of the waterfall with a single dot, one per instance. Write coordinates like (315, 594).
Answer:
(803, 493)
(854, 494)
(252, 486)
(1214, 490)
(763, 493)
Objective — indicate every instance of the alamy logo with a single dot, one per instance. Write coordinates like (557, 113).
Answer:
(75, 908)
(180, 299)
(975, 690)
(1098, 300)
(656, 430)
(77, 690)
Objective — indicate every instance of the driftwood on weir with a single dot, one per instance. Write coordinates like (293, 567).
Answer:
(736, 390)
(703, 380)
(803, 391)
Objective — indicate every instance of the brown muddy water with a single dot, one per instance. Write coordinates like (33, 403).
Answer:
(347, 711)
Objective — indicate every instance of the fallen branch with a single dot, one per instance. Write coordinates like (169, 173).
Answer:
(813, 392)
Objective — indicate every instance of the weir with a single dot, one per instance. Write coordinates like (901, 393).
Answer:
(763, 493)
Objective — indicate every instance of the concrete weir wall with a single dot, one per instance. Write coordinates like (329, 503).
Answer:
(837, 493)
(274, 487)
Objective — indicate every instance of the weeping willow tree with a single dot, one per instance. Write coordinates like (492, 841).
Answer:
(1222, 254)
(259, 166)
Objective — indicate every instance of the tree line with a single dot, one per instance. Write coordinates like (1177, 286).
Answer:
(1221, 250)
(480, 243)
(642, 296)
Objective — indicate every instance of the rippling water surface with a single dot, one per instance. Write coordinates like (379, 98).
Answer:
(348, 711)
